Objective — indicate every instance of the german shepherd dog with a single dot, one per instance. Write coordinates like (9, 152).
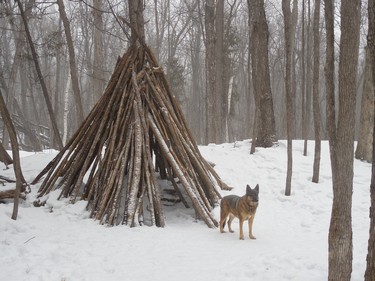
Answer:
(243, 208)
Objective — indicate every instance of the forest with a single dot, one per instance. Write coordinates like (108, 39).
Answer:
(226, 71)
(179, 33)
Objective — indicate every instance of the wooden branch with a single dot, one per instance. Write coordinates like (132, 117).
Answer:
(203, 213)
(136, 119)
(10, 193)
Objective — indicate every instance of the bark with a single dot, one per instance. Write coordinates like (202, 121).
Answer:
(20, 180)
(340, 244)
(266, 133)
(288, 33)
(220, 116)
(99, 63)
(197, 100)
(209, 23)
(66, 110)
(136, 21)
(364, 145)
(10, 90)
(306, 123)
(316, 99)
(72, 63)
(303, 70)
(294, 20)
(4, 156)
(370, 267)
(41, 78)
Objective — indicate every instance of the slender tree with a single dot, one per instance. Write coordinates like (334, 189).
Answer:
(98, 82)
(20, 180)
(288, 89)
(209, 24)
(303, 68)
(41, 78)
(364, 145)
(316, 105)
(221, 104)
(4, 156)
(72, 63)
(307, 104)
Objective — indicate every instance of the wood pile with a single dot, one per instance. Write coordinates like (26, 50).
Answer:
(135, 133)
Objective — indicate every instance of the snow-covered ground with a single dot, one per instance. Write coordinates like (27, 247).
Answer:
(59, 241)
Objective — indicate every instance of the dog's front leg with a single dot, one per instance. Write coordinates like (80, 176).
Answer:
(251, 219)
(241, 229)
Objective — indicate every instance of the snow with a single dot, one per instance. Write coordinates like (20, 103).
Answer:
(60, 242)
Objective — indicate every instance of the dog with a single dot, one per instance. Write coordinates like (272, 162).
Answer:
(244, 208)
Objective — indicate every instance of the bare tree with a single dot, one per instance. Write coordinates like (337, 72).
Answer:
(364, 145)
(10, 89)
(303, 68)
(316, 100)
(307, 103)
(288, 88)
(341, 136)
(4, 156)
(98, 64)
(221, 104)
(370, 268)
(136, 21)
(211, 118)
(72, 63)
(265, 120)
(20, 180)
(41, 78)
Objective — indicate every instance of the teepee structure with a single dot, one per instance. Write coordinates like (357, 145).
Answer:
(134, 134)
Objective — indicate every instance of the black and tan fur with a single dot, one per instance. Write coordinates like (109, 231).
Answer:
(244, 208)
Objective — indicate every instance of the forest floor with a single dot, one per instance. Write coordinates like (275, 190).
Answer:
(60, 242)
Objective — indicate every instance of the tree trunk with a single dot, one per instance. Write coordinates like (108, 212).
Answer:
(72, 64)
(220, 116)
(364, 145)
(342, 137)
(303, 71)
(306, 123)
(11, 88)
(20, 180)
(288, 89)
(209, 23)
(98, 64)
(41, 78)
(4, 156)
(316, 100)
(266, 132)
(370, 268)
(136, 21)
(197, 100)
(294, 20)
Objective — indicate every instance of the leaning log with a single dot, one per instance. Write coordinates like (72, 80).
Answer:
(135, 133)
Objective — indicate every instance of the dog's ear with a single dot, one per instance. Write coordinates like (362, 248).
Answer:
(256, 189)
(248, 189)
